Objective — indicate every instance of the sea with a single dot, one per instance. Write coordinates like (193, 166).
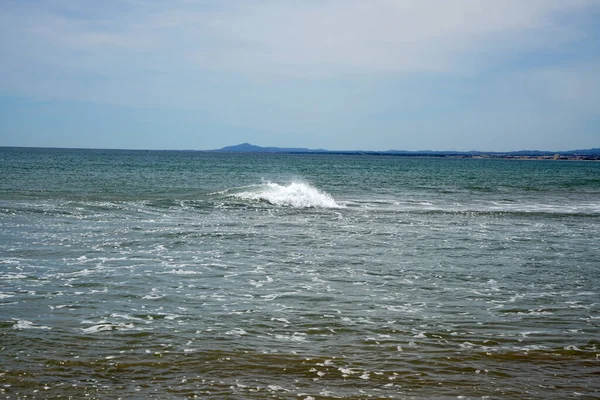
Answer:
(182, 274)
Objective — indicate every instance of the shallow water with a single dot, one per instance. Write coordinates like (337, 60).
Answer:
(180, 275)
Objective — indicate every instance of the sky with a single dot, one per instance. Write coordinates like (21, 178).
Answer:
(489, 75)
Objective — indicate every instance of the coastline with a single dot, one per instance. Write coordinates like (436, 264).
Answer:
(572, 155)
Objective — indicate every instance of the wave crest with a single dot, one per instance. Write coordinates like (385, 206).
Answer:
(295, 194)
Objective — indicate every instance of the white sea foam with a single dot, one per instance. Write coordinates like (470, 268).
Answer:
(296, 194)
(294, 337)
(348, 371)
(13, 276)
(106, 326)
(236, 331)
(277, 388)
(23, 324)
(181, 272)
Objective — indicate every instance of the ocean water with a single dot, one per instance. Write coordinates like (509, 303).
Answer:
(174, 275)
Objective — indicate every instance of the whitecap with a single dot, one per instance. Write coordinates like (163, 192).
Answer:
(152, 296)
(13, 276)
(183, 272)
(23, 324)
(236, 331)
(294, 337)
(572, 348)
(128, 317)
(295, 194)
(348, 371)
(107, 327)
(277, 388)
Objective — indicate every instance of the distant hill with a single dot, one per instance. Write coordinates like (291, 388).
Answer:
(250, 148)
(595, 151)
(583, 153)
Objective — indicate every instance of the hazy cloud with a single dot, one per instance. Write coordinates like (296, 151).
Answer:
(314, 68)
(315, 37)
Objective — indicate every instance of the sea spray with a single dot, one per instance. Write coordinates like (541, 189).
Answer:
(295, 194)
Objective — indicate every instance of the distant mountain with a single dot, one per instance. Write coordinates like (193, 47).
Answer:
(250, 148)
(242, 148)
(587, 152)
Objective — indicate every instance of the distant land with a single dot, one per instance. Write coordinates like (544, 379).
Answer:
(584, 154)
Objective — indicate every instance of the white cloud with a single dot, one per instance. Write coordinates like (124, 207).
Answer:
(334, 36)
(308, 38)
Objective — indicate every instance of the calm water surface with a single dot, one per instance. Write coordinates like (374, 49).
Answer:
(173, 275)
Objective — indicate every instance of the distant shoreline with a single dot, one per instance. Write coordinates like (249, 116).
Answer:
(571, 155)
(584, 155)
(566, 157)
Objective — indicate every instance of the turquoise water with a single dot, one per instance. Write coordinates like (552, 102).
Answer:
(131, 274)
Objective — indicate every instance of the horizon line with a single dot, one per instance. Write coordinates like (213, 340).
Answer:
(308, 150)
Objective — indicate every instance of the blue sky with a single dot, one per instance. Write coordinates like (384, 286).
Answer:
(336, 74)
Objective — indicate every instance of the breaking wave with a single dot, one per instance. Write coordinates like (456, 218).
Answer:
(295, 194)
